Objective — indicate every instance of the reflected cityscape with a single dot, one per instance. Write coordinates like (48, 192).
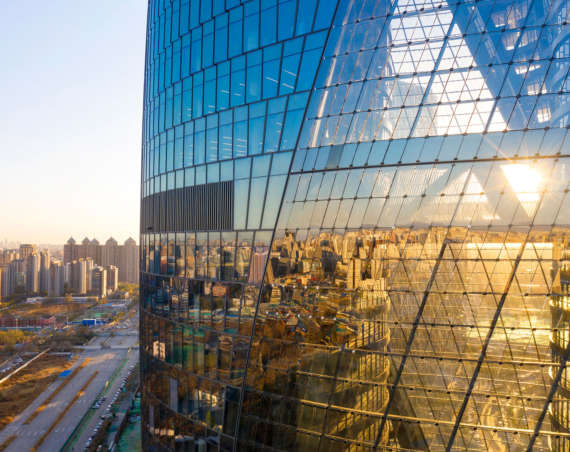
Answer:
(355, 226)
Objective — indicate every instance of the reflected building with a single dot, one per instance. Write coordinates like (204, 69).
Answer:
(560, 343)
(354, 225)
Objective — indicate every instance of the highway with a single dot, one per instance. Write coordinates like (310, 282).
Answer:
(102, 366)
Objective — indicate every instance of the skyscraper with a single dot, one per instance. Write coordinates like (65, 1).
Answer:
(371, 199)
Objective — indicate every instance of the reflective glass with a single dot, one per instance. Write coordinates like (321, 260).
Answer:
(355, 223)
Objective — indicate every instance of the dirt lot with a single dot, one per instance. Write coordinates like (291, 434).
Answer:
(46, 309)
(20, 390)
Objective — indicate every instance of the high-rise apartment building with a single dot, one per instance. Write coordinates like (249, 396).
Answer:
(112, 278)
(57, 279)
(32, 265)
(99, 281)
(94, 250)
(84, 248)
(44, 275)
(70, 251)
(125, 257)
(79, 276)
(7, 256)
(110, 253)
(129, 262)
(17, 276)
(6, 288)
(355, 225)
(90, 266)
(27, 250)
(67, 274)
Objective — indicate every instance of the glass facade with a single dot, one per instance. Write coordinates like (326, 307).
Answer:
(355, 225)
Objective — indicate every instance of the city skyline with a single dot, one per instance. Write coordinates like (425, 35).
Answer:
(85, 267)
(6, 244)
(71, 86)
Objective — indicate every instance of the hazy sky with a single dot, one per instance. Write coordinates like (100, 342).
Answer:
(71, 85)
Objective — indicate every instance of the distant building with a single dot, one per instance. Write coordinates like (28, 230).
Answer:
(79, 276)
(125, 257)
(110, 253)
(27, 250)
(44, 271)
(17, 275)
(99, 281)
(84, 248)
(112, 278)
(32, 265)
(70, 251)
(68, 270)
(90, 267)
(2, 270)
(7, 278)
(129, 261)
(94, 251)
(8, 256)
(57, 279)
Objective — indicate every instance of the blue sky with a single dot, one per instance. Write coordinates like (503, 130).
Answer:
(71, 85)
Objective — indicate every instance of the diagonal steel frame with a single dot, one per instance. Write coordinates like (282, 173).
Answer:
(555, 383)
(411, 340)
(248, 356)
(483, 353)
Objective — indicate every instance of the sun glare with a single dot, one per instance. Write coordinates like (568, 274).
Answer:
(526, 182)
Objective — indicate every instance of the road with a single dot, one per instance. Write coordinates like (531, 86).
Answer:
(88, 427)
(108, 354)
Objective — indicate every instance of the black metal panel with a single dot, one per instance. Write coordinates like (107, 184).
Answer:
(207, 207)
